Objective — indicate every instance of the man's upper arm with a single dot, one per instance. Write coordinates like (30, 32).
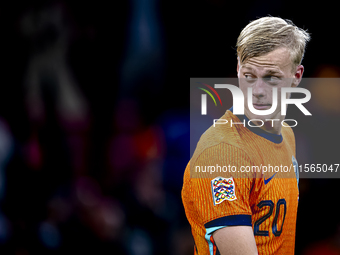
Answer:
(235, 240)
(222, 203)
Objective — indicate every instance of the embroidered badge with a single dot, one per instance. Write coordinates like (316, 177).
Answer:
(223, 189)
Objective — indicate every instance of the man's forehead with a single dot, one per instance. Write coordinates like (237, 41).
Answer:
(264, 68)
(278, 59)
(279, 55)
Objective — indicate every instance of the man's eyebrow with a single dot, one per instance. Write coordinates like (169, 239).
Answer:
(248, 67)
(267, 72)
(272, 71)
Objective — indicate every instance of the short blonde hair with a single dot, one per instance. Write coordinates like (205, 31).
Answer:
(266, 34)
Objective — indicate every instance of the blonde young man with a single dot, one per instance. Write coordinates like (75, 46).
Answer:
(250, 213)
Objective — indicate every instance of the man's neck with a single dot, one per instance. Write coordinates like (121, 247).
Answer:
(272, 126)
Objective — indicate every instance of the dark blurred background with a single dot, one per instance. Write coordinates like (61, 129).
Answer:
(94, 120)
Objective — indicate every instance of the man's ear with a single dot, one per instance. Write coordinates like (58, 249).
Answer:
(238, 66)
(298, 75)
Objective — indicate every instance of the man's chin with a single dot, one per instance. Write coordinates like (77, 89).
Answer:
(261, 117)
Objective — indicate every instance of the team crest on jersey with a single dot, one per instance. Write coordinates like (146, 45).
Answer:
(223, 189)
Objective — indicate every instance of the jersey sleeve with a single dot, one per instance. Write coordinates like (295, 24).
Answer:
(218, 197)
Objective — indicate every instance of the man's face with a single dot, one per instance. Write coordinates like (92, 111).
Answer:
(262, 74)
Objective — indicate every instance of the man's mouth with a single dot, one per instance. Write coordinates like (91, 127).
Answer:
(262, 106)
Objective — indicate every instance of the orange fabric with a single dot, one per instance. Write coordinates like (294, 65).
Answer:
(237, 146)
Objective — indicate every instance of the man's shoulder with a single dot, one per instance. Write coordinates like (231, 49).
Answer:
(288, 136)
(219, 135)
(287, 131)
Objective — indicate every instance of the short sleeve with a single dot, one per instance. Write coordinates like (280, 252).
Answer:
(219, 188)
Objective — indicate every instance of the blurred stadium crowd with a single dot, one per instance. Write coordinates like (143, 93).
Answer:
(94, 128)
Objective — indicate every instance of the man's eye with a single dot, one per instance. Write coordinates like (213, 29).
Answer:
(272, 79)
(249, 77)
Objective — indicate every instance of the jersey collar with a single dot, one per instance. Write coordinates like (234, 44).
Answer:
(259, 131)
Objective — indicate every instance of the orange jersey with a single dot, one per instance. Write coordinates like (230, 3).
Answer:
(223, 186)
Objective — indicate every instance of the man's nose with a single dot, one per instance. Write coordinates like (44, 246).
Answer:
(259, 88)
